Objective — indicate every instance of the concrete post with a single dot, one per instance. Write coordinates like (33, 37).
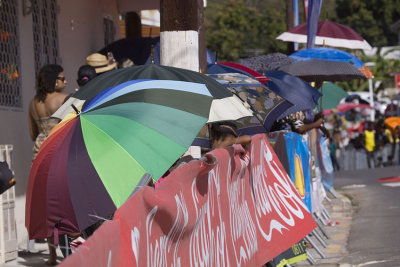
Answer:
(179, 39)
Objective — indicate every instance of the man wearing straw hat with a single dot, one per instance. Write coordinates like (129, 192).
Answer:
(101, 63)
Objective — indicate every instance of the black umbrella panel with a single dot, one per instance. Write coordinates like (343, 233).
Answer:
(323, 70)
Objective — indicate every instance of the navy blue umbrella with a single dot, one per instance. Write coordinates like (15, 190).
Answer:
(302, 95)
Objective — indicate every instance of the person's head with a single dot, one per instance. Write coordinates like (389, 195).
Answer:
(50, 79)
(221, 133)
(369, 125)
(397, 129)
(100, 63)
(85, 74)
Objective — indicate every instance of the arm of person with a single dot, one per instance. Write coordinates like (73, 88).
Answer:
(244, 140)
(59, 99)
(308, 126)
(33, 128)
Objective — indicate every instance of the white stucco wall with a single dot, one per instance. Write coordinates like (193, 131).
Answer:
(80, 32)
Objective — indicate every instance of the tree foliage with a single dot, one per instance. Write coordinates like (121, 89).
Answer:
(371, 19)
(383, 70)
(233, 26)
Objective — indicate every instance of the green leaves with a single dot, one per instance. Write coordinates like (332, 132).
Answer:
(371, 19)
(233, 26)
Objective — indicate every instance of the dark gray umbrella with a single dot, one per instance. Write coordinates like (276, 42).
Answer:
(323, 70)
(266, 62)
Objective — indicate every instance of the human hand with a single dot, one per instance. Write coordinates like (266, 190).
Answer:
(76, 243)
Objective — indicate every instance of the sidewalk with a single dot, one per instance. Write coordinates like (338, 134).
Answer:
(339, 209)
(36, 259)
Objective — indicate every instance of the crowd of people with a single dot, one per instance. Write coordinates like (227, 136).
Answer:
(375, 138)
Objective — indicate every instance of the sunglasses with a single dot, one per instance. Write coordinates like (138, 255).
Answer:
(61, 79)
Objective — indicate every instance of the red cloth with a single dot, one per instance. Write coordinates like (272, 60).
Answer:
(217, 211)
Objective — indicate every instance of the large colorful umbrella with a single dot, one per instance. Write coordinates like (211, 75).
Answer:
(93, 160)
(301, 94)
(328, 33)
(332, 54)
(225, 106)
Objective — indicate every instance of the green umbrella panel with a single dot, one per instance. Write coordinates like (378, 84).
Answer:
(331, 96)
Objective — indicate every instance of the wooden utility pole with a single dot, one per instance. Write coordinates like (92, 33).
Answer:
(179, 37)
(289, 24)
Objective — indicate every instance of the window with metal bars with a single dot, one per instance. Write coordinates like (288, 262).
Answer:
(45, 36)
(10, 84)
(109, 31)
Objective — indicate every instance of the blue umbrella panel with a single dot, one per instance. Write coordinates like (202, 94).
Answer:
(302, 95)
(330, 54)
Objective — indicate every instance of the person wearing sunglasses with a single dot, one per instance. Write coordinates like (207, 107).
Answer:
(49, 96)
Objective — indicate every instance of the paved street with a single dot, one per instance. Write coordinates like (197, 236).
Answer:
(368, 212)
(374, 237)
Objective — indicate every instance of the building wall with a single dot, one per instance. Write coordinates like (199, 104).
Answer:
(80, 25)
(80, 33)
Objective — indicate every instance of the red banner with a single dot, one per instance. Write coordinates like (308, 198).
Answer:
(225, 209)
(397, 80)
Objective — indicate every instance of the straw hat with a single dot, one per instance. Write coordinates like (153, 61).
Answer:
(100, 63)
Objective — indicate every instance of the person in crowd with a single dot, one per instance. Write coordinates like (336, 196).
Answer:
(392, 142)
(396, 140)
(392, 131)
(49, 97)
(85, 74)
(380, 142)
(298, 123)
(101, 63)
(334, 146)
(369, 143)
(224, 134)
